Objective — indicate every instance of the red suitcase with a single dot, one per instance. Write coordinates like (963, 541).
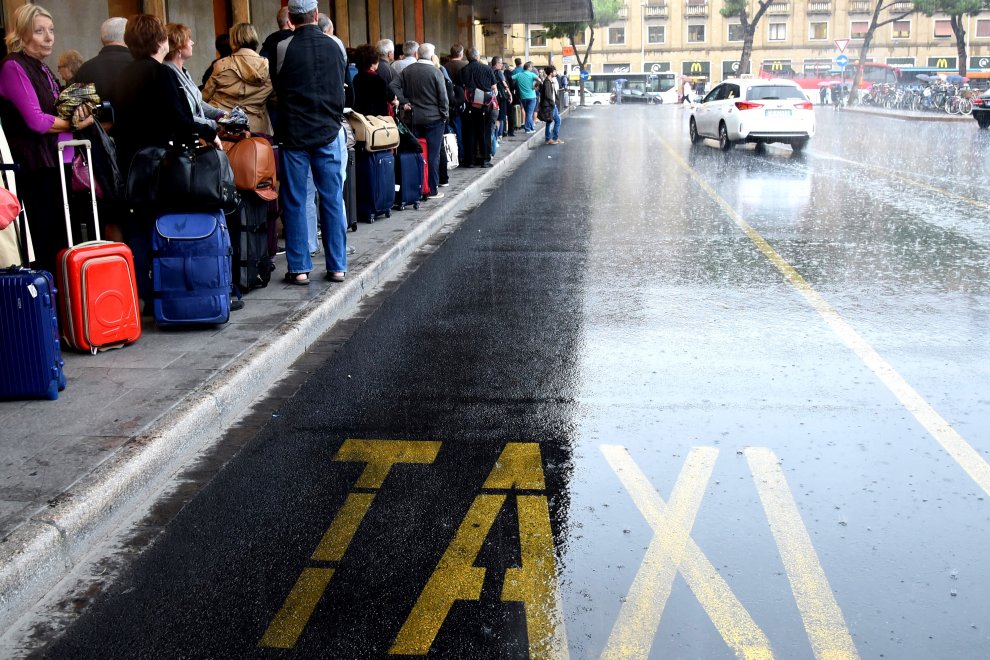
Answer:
(426, 168)
(97, 290)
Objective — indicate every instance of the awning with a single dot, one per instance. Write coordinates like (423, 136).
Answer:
(527, 11)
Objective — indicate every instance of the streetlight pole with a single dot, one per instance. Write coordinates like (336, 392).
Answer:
(642, 36)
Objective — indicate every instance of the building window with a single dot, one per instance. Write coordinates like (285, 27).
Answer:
(580, 39)
(696, 34)
(943, 28)
(656, 34)
(538, 38)
(818, 31)
(777, 31)
(735, 32)
(616, 36)
(858, 29)
(902, 30)
(982, 28)
(900, 61)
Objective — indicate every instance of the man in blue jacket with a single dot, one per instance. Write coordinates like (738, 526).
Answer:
(309, 84)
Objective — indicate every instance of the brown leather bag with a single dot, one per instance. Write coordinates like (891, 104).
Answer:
(253, 162)
(377, 133)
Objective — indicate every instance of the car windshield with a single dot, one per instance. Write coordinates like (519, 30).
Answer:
(771, 92)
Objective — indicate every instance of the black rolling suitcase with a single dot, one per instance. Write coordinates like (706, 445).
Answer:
(248, 228)
(350, 191)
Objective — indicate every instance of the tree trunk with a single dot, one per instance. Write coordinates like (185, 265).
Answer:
(749, 32)
(857, 78)
(956, 21)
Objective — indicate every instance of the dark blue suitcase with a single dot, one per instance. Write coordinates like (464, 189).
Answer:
(191, 269)
(31, 366)
(410, 169)
(375, 184)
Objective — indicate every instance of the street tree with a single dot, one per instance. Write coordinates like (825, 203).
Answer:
(956, 9)
(740, 9)
(603, 12)
(885, 12)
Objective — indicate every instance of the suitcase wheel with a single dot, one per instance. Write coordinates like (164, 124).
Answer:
(388, 214)
(371, 219)
(352, 227)
(416, 205)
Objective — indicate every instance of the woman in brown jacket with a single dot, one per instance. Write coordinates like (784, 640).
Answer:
(242, 79)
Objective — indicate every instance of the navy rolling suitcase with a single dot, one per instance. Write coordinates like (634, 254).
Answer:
(375, 184)
(410, 170)
(191, 269)
(31, 366)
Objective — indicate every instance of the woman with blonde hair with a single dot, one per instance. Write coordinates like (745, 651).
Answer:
(243, 79)
(180, 45)
(28, 91)
(69, 62)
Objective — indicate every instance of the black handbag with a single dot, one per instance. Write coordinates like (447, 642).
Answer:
(182, 178)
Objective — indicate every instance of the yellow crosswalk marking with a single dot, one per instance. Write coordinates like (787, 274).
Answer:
(730, 618)
(820, 612)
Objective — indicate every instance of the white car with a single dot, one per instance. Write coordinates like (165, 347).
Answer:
(754, 110)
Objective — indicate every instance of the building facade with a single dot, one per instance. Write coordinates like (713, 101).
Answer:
(691, 37)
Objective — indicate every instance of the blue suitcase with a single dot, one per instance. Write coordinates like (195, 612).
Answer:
(31, 366)
(375, 184)
(191, 269)
(410, 168)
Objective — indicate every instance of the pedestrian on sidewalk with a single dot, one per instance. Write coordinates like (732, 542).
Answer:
(422, 92)
(548, 106)
(311, 109)
(526, 79)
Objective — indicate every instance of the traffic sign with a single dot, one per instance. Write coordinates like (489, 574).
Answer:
(841, 44)
(585, 75)
(841, 61)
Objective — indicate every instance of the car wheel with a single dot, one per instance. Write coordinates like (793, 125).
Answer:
(761, 147)
(693, 132)
(982, 120)
(799, 144)
(724, 143)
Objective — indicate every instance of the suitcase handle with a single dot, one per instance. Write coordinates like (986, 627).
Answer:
(92, 185)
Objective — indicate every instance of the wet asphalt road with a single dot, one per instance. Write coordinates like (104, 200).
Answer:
(651, 400)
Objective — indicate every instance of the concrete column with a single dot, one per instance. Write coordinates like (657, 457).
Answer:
(399, 21)
(374, 21)
(241, 10)
(342, 24)
(10, 6)
(156, 8)
(420, 22)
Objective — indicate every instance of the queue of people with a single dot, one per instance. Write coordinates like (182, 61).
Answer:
(155, 101)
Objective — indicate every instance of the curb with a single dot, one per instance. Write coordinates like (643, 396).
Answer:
(926, 116)
(42, 551)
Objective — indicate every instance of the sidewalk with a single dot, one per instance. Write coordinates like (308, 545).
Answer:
(904, 115)
(129, 417)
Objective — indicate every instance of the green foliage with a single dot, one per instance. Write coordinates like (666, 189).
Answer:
(950, 7)
(732, 8)
(606, 12)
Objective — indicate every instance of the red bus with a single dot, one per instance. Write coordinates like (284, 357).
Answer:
(820, 72)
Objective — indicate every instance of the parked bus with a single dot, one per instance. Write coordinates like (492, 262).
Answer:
(812, 81)
(652, 88)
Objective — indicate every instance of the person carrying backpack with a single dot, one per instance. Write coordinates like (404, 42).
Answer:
(548, 106)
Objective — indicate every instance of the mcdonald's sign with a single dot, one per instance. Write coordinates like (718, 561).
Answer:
(942, 62)
(696, 69)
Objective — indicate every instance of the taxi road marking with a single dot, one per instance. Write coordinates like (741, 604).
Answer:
(380, 457)
(951, 441)
(820, 612)
(535, 583)
(633, 634)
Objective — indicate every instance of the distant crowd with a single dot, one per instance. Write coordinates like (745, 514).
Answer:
(293, 86)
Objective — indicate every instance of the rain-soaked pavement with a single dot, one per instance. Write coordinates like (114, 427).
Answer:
(651, 400)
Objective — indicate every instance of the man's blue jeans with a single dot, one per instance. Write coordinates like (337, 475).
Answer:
(312, 201)
(529, 106)
(326, 164)
(556, 126)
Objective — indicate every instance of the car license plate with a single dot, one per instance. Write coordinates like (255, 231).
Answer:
(778, 113)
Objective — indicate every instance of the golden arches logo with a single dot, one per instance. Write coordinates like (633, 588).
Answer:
(695, 67)
(942, 63)
(777, 66)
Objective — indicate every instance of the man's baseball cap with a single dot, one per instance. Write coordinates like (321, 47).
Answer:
(302, 6)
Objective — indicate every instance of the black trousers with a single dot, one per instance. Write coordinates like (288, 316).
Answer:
(478, 126)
